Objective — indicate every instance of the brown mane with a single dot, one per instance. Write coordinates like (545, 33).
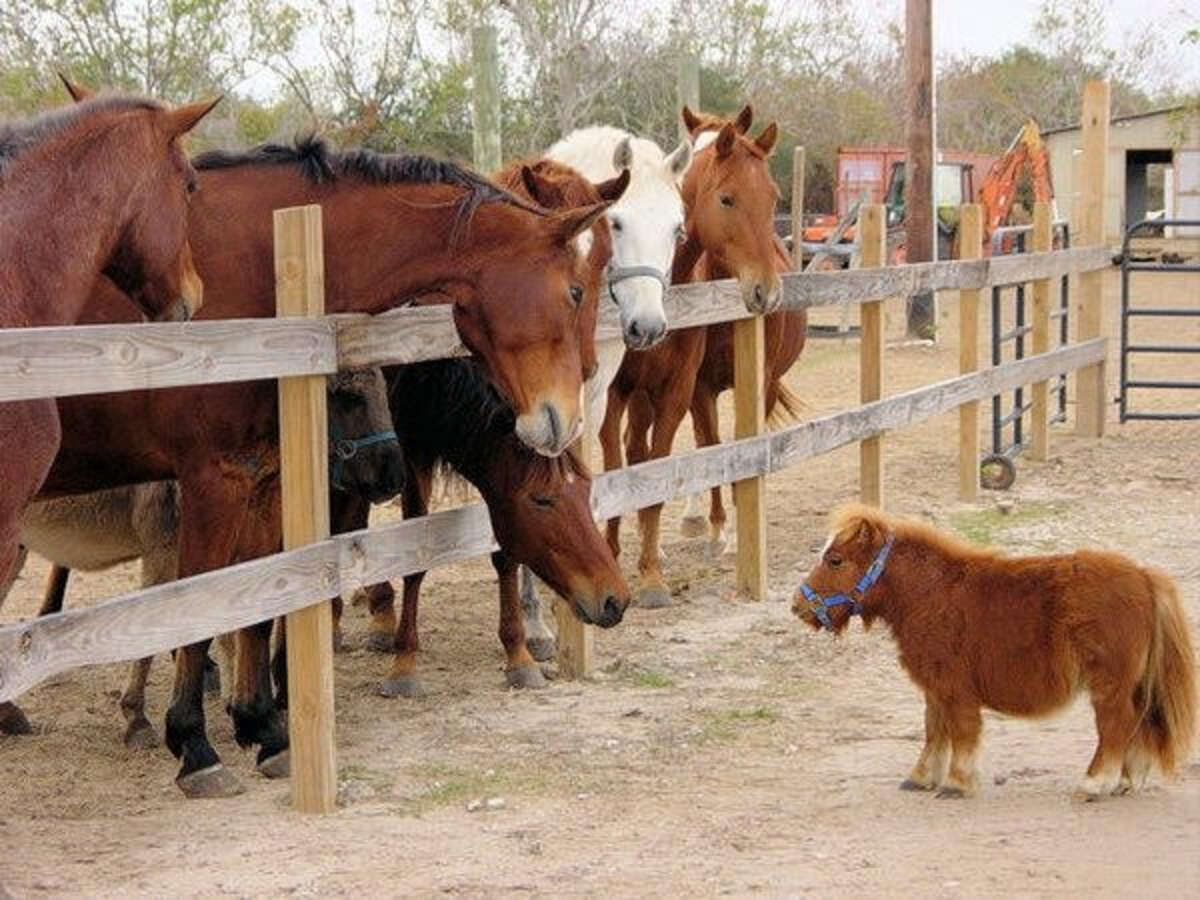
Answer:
(853, 516)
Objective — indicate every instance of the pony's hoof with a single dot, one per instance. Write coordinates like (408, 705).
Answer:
(381, 642)
(525, 677)
(951, 793)
(693, 526)
(541, 648)
(409, 686)
(654, 596)
(207, 784)
(909, 785)
(13, 721)
(140, 736)
(277, 766)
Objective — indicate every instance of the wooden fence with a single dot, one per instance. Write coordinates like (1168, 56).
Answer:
(302, 346)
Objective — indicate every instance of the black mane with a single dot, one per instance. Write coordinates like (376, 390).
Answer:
(18, 136)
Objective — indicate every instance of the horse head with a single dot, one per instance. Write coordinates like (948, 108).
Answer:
(364, 454)
(847, 567)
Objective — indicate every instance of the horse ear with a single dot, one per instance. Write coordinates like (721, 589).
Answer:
(766, 140)
(745, 117)
(679, 160)
(623, 154)
(540, 189)
(183, 119)
(726, 139)
(690, 120)
(610, 191)
(567, 224)
(78, 92)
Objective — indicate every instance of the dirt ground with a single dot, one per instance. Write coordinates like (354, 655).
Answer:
(720, 749)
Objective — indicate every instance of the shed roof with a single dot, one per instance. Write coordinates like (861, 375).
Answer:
(1117, 119)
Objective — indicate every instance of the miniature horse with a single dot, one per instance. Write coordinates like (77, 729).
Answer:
(395, 228)
(784, 331)
(1020, 635)
(730, 199)
(96, 531)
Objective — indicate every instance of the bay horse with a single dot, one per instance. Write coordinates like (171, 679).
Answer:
(552, 185)
(1020, 635)
(730, 199)
(784, 331)
(93, 532)
(101, 187)
(396, 228)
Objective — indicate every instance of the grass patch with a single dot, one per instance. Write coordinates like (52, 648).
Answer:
(443, 786)
(728, 724)
(986, 527)
(652, 679)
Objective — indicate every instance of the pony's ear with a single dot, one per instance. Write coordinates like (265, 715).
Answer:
(690, 120)
(623, 154)
(726, 139)
(610, 191)
(567, 224)
(541, 189)
(679, 159)
(745, 117)
(183, 119)
(766, 140)
(77, 91)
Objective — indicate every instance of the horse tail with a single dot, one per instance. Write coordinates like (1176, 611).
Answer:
(1169, 683)
(787, 408)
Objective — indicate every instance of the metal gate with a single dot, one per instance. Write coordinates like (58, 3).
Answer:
(997, 469)
(1128, 311)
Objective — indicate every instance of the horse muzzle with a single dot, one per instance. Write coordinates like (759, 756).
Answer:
(547, 431)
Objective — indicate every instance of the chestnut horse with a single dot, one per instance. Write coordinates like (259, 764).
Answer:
(1020, 635)
(396, 227)
(98, 187)
(96, 531)
(554, 186)
(784, 335)
(730, 199)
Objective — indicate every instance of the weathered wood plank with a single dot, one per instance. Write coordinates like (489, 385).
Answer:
(970, 240)
(1039, 414)
(872, 223)
(1093, 169)
(155, 619)
(749, 496)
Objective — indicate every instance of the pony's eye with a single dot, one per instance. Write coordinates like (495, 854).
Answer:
(680, 234)
(577, 294)
(727, 200)
(191, 186)
(833, 559)
(545, 502)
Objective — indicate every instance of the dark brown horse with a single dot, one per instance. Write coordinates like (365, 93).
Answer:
(1020, 635)
(730, 199)
(98, 187)
(554, 186)
(395, 227)
(784, 331)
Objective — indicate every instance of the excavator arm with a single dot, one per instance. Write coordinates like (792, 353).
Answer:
(1026, 152)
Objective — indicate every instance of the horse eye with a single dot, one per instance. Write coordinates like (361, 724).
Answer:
(680, 234)
(726, 200)
(577, 294)
(544, 502)
(191, 186)
(834, 560)
(615, 223)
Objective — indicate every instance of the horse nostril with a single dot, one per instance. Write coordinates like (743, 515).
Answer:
(634, 329)
(555, 424)
(760, 296)
(612, 610)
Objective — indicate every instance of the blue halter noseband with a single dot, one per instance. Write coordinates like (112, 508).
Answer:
(617, 273)
(346, 448)
(819, 606)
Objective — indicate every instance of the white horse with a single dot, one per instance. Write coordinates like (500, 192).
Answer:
(646, 224)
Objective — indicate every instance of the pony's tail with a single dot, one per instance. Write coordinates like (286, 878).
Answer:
(787, 409)
(1169, 684)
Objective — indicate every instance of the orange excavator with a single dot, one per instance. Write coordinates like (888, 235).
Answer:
(1028, 153)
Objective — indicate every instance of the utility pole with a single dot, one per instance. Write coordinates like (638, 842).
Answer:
(919, 212)
(687, 88)
(485, 107)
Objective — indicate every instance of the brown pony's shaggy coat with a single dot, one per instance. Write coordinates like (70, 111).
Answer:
(1022, 636)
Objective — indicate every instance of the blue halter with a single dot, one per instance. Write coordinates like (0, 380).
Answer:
(617, 273)
(346, 448)
(819, 606)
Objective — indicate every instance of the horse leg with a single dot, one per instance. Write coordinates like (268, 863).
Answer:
(257, 718)
(1117, 720)
(521, 670)
(653, 592)
(705, 425)
(930, 769)
(963, 722)
(402, 681)
(350, 512)
(56, 590)
(610, 445)
(139, 733)
(539, 639)
(12, 719)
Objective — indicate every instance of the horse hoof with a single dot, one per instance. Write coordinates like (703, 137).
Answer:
(693, 526)
(541, 648)
(381, 641)
(909, 785)
(277, 766)
(951, 793)
(140, 736)
(13, 721)
(206, 784)
(525, 677)
(409, 686)
(652, 597)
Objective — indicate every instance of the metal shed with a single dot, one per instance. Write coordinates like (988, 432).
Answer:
(1153, 169)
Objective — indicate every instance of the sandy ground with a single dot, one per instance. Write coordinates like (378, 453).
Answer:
(721, 748)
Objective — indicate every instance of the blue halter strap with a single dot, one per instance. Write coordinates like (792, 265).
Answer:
(819, 606)
(617, 273)
(346, 448)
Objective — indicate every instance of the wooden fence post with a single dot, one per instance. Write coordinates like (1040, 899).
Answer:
(798, 208)
(485, 106)
(873, 234)
(1090, 385)
(1043, 240)
(970, 240)
(304, 473)
(749, 496)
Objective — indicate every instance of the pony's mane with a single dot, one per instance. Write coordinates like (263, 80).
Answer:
(939, 542)
(17, 137)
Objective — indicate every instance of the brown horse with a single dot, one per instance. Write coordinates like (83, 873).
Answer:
(99, 187)
(553, 185)
(730, 200)
(1020, 635)
(395, 227)
(785, 332)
